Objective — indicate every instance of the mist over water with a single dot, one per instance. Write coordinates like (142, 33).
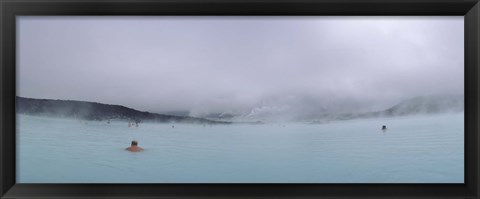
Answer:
(296, 99)
(414, 149)
(278, 68)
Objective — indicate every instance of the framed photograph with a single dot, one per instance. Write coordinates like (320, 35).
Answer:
(184, 99)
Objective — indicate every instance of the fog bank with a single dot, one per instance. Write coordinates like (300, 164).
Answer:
(262, 66)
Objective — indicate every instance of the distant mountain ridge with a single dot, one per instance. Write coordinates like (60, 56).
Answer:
(431, 104)
(96, 111)
(428, 105)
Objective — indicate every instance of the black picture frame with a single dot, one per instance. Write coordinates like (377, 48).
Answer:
(9, 9)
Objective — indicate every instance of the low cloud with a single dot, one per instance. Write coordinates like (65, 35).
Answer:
(253, 66)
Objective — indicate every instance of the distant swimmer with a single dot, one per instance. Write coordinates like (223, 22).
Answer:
(384, 128)
(173, 126)
(134, 147)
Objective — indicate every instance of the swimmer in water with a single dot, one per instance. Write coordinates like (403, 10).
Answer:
(384, 128)
(134, 147)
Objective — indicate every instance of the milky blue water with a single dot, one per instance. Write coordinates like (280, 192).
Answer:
(417, 149)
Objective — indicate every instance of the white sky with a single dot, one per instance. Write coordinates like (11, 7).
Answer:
(206, 64)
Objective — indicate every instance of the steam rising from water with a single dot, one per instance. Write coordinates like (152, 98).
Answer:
(256, 67)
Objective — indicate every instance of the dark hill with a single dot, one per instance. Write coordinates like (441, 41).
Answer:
(95, 111)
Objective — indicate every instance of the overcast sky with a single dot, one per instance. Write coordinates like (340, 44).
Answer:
(239, 64)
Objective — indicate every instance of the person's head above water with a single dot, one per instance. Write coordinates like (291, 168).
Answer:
(134, 143)
(134, 147)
